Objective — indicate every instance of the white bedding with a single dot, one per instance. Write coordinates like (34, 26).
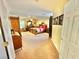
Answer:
(39, 38)
(35, 38)
(16, 33)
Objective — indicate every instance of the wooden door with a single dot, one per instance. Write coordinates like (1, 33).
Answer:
(15, 23)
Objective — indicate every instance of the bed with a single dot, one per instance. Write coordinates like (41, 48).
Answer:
(39, 29)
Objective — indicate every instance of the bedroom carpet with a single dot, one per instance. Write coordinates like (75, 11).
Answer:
(37, 47)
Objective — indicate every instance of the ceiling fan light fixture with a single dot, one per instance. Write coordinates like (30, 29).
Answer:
(36, 0)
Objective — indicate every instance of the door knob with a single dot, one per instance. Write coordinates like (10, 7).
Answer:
(5, 44)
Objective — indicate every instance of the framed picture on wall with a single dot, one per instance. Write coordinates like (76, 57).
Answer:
(55, 21)
(61, 19)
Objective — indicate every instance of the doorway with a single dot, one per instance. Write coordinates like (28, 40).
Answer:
(32, 41)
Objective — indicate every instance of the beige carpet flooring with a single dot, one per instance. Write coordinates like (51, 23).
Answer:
(36, 47)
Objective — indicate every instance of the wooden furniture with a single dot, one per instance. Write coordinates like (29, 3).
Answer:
(17, 41)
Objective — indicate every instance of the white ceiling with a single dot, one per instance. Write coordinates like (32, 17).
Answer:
(32, 10)
(35, 7)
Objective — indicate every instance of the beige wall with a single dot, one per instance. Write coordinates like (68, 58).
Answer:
(56, 36)
(46, 21)
(39, 21)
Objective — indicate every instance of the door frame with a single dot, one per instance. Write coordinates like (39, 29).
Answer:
(4, 40)
(50, 26)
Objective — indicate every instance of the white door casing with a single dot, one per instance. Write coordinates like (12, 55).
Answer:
(2, 48)
(6, 29)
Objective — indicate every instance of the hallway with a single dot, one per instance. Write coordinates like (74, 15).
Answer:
(65, 40)
(37, 49)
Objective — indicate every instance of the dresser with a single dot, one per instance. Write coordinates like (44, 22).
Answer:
(17, 41)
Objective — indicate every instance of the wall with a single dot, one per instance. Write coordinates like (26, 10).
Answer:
(56, 35)
(22, 24)
(46, 21)
(23, 21)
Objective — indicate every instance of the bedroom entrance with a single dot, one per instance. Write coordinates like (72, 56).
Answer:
(30, 40)
(30, 28)
(31, 37)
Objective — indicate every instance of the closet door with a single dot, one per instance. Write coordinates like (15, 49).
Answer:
(15, 23)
